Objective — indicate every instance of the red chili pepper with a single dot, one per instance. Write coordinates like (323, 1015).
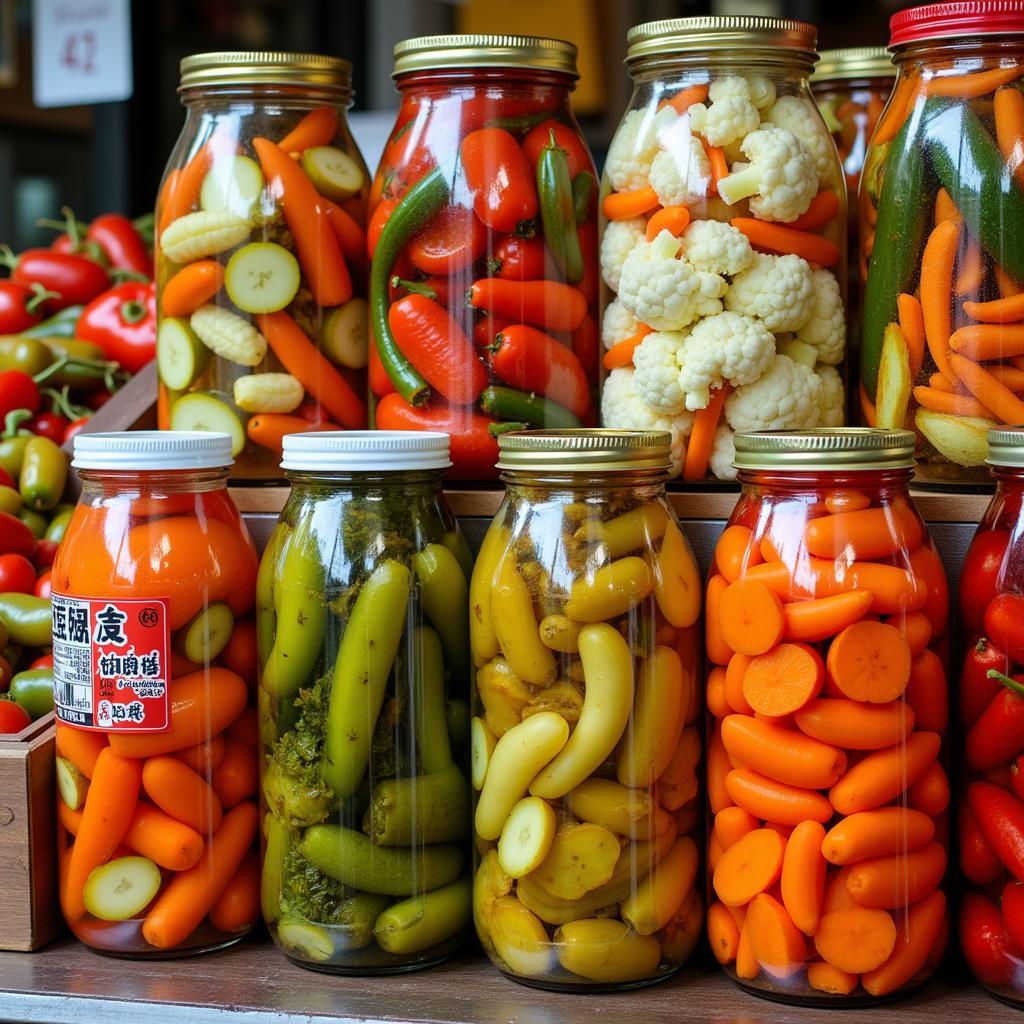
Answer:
(46, 552)
(500, 178)
(436, 288)
(978, 860)
(548, 304)
(1017, 776)
(976, 688)
(590, 282)
(17, 391)
(75, 427)
(43, 585)
(980, 574)
(586, 344)
(122, 321)
(380, 382)
(487, 329)
(529, 360)
(75, 279)
(1012, 904)
(474, 450)
(998, 735)
(378, 219)
(15, 536)
(22, 306)
(452, 240)
(437, 348)
(539, 136)
(1000, 816)
(519, 259)
(1004, 623)
(121, 243)
(985, 941)
(49, 424)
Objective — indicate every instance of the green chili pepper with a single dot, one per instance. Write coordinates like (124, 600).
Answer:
(582, 191)
(35, 521)
(416, 208)
(33, 690)
(12, 451)
(59, 524)
(29, 355)
(10, 501)
(27, 618)
(508, 404)
(266, 611)
(59, 361)
(60, 325)
(44, 472)
(557, 214)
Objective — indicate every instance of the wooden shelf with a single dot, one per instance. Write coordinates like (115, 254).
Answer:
(253, 984)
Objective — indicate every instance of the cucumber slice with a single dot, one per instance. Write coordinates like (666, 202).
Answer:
(306, 940)
(527, 836)
(207, 634)
(209, 410)
(262, 277)
(180, 356)
(962, 439)
(344, 334)
(121, 889)
(234, 184)
(72, 785)
(333, 172)
(894, 381)
(481, 745)
(798, 351)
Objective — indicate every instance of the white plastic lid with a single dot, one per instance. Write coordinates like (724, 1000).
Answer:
(366, 451)
(152, 450)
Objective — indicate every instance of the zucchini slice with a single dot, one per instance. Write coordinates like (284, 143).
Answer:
(234, 184)
(306, 940)
(206, 410)
(333, 172)
(894, 380)
(180, 356)
(72, 785)
(121, 889)
(207, 634)
(262, 277)
(344, 334)
(962, 439)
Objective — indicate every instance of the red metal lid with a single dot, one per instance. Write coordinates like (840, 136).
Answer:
(967, 18)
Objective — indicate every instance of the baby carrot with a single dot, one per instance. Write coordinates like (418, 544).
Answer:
(702, 437)
(784, 240)
(856, 940)
(784, 679)
(734, 673)
(773, 801)
(673, 219)
(824, 617)
(970, 272)
(750, 617)
(237, 777)
(723, 933)
(108, 811)
(884, 774)
(80, 747)
(203, 757)
(823, 977)
(751, 865)
(686, 97)
(747, 966)
(246, 729)
(719, 164)
(869, 534)
(911, 318)
(717, 650)
(317, 128)
(621, 354)
(856, 726)
(182, 189)
(945, 208)
(998, 311)
(846, 501)
(165, 841)
(239, 653)
(869, 834)
(1009, 116)
(940, 382)
(718, 769)
(181, 793)
(987, 341)
(70, 821)
(986, 389)
(734, 547)
(785, 755)
(803, 875)
(824, 206)
(936, 289)
(715, 694)
(972, 85)
(930, 793)
(776, 942)
(896, 110)
(268, 429)
(870, 662)
(732, 824)
(1006, 284)
(917, 628)
(350, 234)
(238, 906)
(190, 894)
(1011, 377)
(191, 287)
(715, 852)
(837, 896)
(890, 882)
(951, 404)
(929, 571)
(927, 692)
(626, 205)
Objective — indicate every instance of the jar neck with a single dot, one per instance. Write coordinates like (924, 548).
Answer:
(490, 80)
(644, 483)
(109, 483)
(932, 53)
(772, 62)
(1008, 478)
(413, 481)
(301, 97)
(790, 481)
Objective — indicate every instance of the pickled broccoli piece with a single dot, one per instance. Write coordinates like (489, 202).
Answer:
(309, 893)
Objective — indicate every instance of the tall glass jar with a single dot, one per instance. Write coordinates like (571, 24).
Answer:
(723, 240)
(944, 264)
(261, 256)
(584, 608)
(991, 701)
(364, 654)
(483, 244)
(827, 611)
(154, 664)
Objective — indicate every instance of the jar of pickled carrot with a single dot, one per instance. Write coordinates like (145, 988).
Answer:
(261, 256)
(584, 608)
(723, 235)
(826, 642)
(483, 245)
(991, 822)
(154, 663)
(942, 259)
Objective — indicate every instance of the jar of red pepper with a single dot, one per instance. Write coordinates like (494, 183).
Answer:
(483, 244)
(992, 712)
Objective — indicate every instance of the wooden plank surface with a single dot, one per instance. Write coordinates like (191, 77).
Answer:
(253, 984)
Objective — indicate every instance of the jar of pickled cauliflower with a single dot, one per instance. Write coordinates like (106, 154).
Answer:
(723, 239)
(826, 639)
(584, 608)
(261, 256)
(154, 665)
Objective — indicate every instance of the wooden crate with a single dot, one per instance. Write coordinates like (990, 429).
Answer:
(29, 907)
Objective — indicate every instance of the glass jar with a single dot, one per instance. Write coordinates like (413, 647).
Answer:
(364, 654)
(584, 606)
(702, 245)
(942, 257)
(991, 696)
(827, 611)
(483, 244)
(261, 256)
(154, 664)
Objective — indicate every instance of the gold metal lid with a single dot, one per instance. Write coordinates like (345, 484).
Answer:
(835, 448)
(584, 451)
(1006, 447)
(853, 62)
(265, 67)
(436, 53)
(667, 38)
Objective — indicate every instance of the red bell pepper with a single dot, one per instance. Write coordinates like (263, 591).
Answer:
(1004, 623)
(980, 574)
(976, 688)
(985, 941)
(1012, 904)
(75, 279)
(978, 860)
(1000, 816)
(121, 243)
(122, 321)
(21, 306)
(500, 178)
(998, 735)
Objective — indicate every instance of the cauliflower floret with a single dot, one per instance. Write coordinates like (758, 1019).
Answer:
(681, 172)
(801, 117)
(716, 247)
(657, 371)
(619, 237)
(617, 324)
(665, 292)
(634, 147)
(781, 176)
(787, 397)
(730, 116)
(777, 289)
(762, 91)
(727, 347)
(833, 397)
(826, 327)
(723, 452)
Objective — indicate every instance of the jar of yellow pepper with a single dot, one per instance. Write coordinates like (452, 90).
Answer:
(584, 608)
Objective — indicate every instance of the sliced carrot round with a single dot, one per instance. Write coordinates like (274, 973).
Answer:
(784, 679)
(826, 978)
(870, 661)
(750, 617)
(777, 943)
(856, 940)
(750, 866)
(723, 933)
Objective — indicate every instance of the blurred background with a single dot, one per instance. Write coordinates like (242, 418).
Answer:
(110, 155)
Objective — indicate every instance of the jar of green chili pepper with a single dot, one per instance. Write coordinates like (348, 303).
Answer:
(483, 243)
(363, 646)
(942, 253)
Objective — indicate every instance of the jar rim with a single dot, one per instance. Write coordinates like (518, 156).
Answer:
(853, 62)
(956, 20)
(265, 67)
(365, 451)
(477, 50)
(1006, 447)
(825, 448)
(587, 450)
(152, 450)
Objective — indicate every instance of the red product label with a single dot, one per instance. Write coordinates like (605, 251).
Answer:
(111, 663)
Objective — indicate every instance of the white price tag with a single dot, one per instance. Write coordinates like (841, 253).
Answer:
(81, 52)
